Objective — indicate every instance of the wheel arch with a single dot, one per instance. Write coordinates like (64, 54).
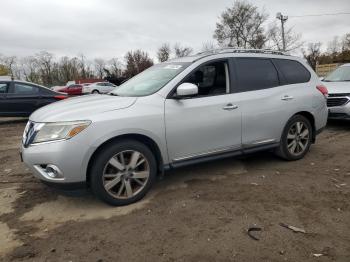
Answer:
(146, 140)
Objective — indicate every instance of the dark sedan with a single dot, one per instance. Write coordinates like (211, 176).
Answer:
(19, 98)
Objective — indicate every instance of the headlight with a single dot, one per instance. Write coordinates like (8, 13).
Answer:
(59, 130)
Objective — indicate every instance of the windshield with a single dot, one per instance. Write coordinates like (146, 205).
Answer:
(339, 75)
(150, 80)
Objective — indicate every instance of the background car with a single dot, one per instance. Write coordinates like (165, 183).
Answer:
(18, 98)
(99, 88)
(338, 85)
(73, 90)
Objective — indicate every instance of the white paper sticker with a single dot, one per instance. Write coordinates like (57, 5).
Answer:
(174, 67)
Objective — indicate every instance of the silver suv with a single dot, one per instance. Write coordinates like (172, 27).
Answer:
(215, 104)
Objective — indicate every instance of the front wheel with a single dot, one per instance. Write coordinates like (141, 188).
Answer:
(296, 138)
(123, 172)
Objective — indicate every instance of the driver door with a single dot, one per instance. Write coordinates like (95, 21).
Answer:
(208, 123)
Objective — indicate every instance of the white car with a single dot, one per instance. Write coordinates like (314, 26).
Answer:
(98, 88)
(338, 85)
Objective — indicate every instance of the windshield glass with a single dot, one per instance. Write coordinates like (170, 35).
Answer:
(339, 75)
(150, 80)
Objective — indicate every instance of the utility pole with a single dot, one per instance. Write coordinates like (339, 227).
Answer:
(283, 19)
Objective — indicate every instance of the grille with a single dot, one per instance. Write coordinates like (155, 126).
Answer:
(339, 95)
(331, 102)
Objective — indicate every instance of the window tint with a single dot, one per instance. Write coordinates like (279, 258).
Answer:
(255, 74)
(211, 79)
(3, 88)
(293, 72)
(25, 89)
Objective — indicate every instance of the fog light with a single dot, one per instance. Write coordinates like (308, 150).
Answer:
(53, 171)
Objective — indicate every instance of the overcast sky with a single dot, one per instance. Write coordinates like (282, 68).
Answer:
(109, 28)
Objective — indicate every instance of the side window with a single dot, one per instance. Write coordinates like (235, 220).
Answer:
(293, 71)
(24, 89)
(255, 74)
(211, 79)
(101, 84)
(3, 88)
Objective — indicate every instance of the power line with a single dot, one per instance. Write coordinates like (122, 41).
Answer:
(329, 14)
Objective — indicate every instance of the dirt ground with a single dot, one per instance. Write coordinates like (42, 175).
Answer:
(198, 213)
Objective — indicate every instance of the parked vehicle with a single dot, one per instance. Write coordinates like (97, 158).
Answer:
(72, 90)
(338, 84)
(215, 104)
(99, 88)
(19, 98)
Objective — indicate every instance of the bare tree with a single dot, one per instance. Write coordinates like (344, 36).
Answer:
(182, 51)
(163, 53)
(30, 69)
(115, 67)
(312, 54)
(241, 26)
(208, 46)
(136, 62)
(346, 42)
(45, 65)
(100, 65)
(10, 62)
(275, 41)
(334, 46)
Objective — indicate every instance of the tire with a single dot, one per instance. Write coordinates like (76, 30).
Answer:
(95, 92)
(302, 139)
(139, 167)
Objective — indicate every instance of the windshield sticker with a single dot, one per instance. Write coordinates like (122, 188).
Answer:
(174, 67)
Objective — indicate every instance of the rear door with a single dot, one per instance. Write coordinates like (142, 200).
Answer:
(266, 105)
(74, 89)
(4, 86)
(23, 98)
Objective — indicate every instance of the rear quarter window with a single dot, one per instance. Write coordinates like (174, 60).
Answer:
(292, 71)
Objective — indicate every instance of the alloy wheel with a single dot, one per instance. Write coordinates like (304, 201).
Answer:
(126, 174)
(298, 138)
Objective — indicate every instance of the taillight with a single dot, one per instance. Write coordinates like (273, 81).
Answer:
(323, 90)
(60, 97)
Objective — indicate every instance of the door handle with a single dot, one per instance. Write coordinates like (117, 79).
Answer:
(230, 107)
(287, 98)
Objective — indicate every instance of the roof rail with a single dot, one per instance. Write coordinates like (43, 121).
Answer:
(237, 50)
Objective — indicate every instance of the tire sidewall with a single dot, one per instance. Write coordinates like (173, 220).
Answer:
(105, 155)
(284, 145)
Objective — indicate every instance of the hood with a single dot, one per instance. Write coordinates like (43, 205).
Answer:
(337, 87)
(80, 108)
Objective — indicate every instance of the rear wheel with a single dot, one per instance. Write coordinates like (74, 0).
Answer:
(95, 92)
(296, 138)
(123, 173)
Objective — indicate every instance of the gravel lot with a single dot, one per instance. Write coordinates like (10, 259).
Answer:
(198, 213)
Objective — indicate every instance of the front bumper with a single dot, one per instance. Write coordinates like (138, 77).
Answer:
(339, 112)
(69, 158)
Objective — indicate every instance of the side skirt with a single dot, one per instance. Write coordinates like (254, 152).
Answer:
(212, 157)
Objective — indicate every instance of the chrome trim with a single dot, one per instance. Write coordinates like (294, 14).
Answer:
(44, 173)
(260, 142)
(208, 153)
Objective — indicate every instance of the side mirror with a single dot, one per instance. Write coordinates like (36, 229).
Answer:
(186, 89)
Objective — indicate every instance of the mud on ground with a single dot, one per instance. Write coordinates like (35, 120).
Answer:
(198, 213)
